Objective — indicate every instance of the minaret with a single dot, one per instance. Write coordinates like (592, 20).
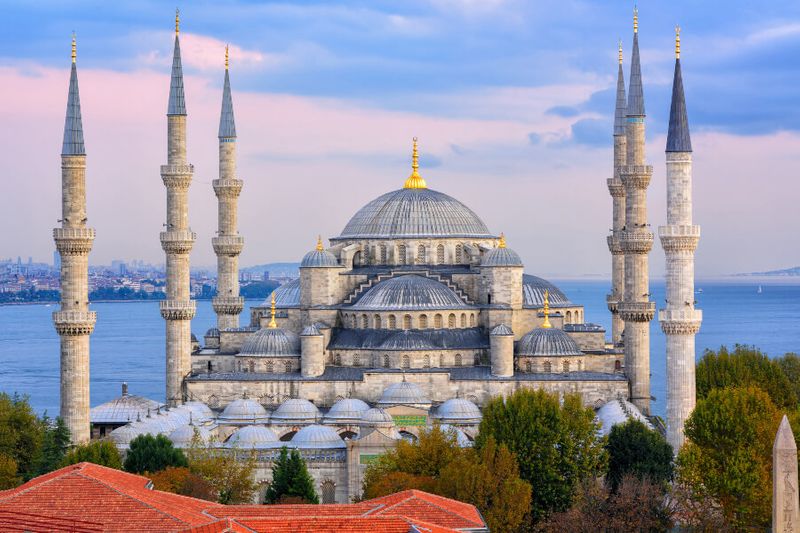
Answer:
(680, 321)
(617, 191)
(636, 240)
(178, 309)
(74, 322)
(228, 243)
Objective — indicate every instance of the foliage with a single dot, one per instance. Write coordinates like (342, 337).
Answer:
(99, 452)
(148, 453)
(180, 480)
(743, 367)
(8, 472)
(635, 449)
(55, 444)
(790, 365)
(229, 473)
(555, 442)
(290, 479)
(21, 435)
(728, 456)
(390, 482)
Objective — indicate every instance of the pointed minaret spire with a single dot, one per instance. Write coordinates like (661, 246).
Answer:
(227, 125)
(678, 139)
(620, 110)
(73, 125)
(636, 93)
(177, 102)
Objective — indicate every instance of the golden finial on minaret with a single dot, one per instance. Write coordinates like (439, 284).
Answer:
(177, 21)
(677, 42)
(620, 51)
(319, 243)
(635, 19)
(502, 243)
(74, 48)
(226, 57)
(272, 323)
(415, 181)
(546, 324)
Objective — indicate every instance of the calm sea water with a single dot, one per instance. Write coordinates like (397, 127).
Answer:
(128, 342)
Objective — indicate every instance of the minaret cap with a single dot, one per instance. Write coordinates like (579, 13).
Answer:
(415, 181)
(177, 21)
(319, 243)
(677, 42)
(74, 48)
(226, 57)
(635, 19)
(620, 51)
(546, 324)
(272, 323)
(502, 243)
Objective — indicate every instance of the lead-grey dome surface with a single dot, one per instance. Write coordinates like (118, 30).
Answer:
(501, 257)
(319, 258)
(122, 409)
(458, 411)
(242, 411)
(346, 411)
(413, 213)
(271, 341)
(533, 288)
(287, 295)
(252, 437)
(501, 330)
(317, 437)
(543, 342)
(376, 417)
(409, 292)
(183, 436)
(296, 410)
(403, 393)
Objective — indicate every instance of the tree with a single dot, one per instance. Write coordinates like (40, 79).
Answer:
(728, 456)
(634, 449)
(21, 434)
(180, 480)
(556, 443)
(790, 364)
(290, 479)
(745, 366)
(55, 444)
(99, 452)
(148, 453)
(8, 472)
(229, 472)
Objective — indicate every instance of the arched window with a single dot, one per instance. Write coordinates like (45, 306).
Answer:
(458, 360)
(392, 322)
(441, 360)
(357, 359)
(423, 321)
(357, 259)
(477, 359)
(364, 321)
(239, 366)
(213, 401)
(569, 317)
(580, 365)
(251, 366)
(328, 490)
(377, 321)
(547, 367)
(382, 251)
(337, 360)
(565, 365)
(451, 320)
(270, 367)
(459, 254)
(427, 362)
(407, 322)
(208, 365)
(617, 366)
(528, 367)
(472, 320)
(406, 361)
(437, 321)
(421, 254)
(401, 254)
(385, 361)
(288, 366)
(440, 254)
(463, 320)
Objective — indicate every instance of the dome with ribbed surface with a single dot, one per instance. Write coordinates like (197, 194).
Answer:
(458, 411)
(377, 417)
(545, 342)
(319, 258)
(287, 295)
(409, 293)
(243, 411)
(212, 332)
(271, 341)
(501, 257)
(296, 411)
(501, 330)
(317, 437)
(346, 411)
(252, 437)
(403, 393)
(533, 288)
(414, 213)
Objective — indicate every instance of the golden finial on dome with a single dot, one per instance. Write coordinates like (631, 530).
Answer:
(319, 243)
(226, 57)
(635, 19)
(677, 42)
(177, 21)
(620, 51)
(415, 181)
(502, 243)
(74, 48)
(546, 324)
(272, 323)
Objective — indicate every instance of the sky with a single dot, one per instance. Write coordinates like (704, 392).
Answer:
(512, 102)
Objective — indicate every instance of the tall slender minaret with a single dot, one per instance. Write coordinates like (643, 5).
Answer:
(228, 243)
(74, 322)
(178, 309)
(680, 321)
(636, 240)
(617, 191)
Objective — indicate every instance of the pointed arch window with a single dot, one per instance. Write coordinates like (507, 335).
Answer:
(440, 254)
(421, 254)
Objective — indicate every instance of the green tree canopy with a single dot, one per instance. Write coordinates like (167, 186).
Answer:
(99, 452)
(290, 480)
(229, 472)
(21, 435)
(790, 364)
(634, 449)
(148, 453)
(55, 444)
(555, 442)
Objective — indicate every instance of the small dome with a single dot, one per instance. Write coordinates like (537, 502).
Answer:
(123, 435)
(296, 411)
(409, 293)
(533, 288)
(319, 258)
(376, 417)
(616, 412)
(243, 411)
(458, 411)
(255, 436)
(271, 341)
(501, 330)
(310, 331)
(461, 438)
(212, 332)
(497, 257)
(403, 393)
(346, 411)
(200, 411)
(317, 437)
(183, 436)
(194, 338)
(287, 295)
(547, 342)
(123, 409)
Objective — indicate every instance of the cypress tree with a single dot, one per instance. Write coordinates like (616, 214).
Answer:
(290, 480)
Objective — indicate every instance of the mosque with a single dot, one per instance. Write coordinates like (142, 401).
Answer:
(416, 312)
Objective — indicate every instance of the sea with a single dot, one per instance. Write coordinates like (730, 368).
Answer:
(128, 342)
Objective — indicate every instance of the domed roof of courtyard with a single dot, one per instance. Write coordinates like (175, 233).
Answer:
(533, 288)
(287, 295)
(458, 411)
(501, 256)
(618, 411)
(319, 257)
(403, 393)
(409, 292)
(347, 410)
(317, 437)
(271, 341)
(123, 435)
(200, 411)
(242, 411)
(376, 417)
(547, 342)
(212, 332)
(296, 410)
(183, 436)
(124, 408)
(255, 436)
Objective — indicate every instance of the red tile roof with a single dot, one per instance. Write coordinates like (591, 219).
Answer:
(90, 498)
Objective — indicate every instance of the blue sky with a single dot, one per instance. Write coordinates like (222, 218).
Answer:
(516, 96)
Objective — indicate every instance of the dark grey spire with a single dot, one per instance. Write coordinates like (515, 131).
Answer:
(177, 103)
(619, 112)
(73, 126)
(635, 92)
(678, 139)
(227, 126)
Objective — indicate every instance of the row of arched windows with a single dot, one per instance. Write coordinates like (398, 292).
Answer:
(572, 317)
(269, 367)
(547, 367)
(422, 257)
(405, 361)
(423, 321)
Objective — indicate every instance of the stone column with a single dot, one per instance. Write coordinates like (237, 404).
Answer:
(785, 516)
(501, 348)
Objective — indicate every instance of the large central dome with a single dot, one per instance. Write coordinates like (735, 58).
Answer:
(414, 213)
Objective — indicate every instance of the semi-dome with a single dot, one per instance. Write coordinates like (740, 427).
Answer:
(533, 288)
(318, 438)
(414, 213)
(287, 295)
(547, 342)
(376, 417)
(183, 435)
(403, 393)
(618, 411)
(271, 341)
(409, 293)
(346, 411)
(249, 437)
(296, 411)
(243, 411)
(458, 411)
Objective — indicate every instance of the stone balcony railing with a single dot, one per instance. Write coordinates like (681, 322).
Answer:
(637, 311)
(679, 231)
(177, 170)
(616, 188)
(177, 309)
(72, 323)
(227, 305)
(74, 233)
(73, 241)
(679, 238)
(177, 241)
(680, 321)
(636, 169)
(230, 245)
(227, 187)
(638, 242)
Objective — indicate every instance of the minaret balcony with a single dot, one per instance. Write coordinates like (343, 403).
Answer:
(228, 245)
(612, 301)
(636, 176)
(228, 305)
(227, 188)
(679, 238)
(177, 170)
(177, 309)
(636, 242)
(680, 321)
(177, 241)
(637, 311)
(614, 245)
(73, 241)
(616, 188)
(72, 323)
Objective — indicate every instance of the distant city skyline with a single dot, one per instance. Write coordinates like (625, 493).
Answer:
(512, 101)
